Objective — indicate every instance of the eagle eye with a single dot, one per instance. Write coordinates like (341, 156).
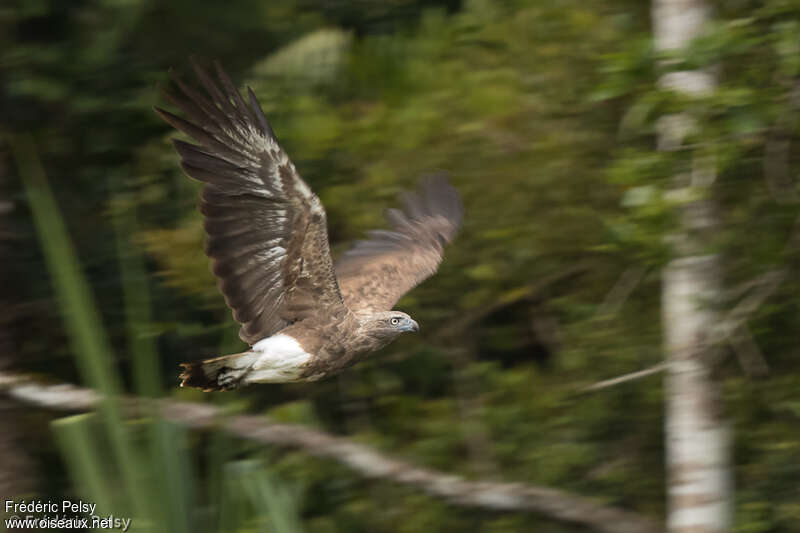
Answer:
(395, 321)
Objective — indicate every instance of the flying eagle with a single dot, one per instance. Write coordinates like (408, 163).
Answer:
(303, 318)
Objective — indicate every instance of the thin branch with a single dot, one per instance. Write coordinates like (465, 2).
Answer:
(732, 329)
(625, 378)
(739, 315)
(743, 288)
(496, 496)
(622, 290)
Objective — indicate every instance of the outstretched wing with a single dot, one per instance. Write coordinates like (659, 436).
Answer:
(267, 231)
(375, 273)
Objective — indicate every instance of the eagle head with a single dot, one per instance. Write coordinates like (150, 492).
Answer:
(389, 324)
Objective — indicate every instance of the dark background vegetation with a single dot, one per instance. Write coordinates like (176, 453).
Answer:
(543, 113)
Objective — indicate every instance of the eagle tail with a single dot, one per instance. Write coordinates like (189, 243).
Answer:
(218, 373)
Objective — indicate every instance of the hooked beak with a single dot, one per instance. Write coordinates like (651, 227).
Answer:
(412, 325)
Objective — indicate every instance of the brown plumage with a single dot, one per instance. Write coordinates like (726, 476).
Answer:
(268, 242)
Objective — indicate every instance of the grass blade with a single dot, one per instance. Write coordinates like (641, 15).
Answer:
(87, 335)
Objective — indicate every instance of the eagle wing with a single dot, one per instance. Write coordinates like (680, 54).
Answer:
(376, 272)
(267, 231)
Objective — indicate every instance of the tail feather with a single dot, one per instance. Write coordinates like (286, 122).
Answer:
(216, 374)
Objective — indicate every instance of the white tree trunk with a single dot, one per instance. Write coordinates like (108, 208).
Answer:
(698, 439)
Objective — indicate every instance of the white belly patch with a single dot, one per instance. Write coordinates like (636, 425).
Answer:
(280, 359)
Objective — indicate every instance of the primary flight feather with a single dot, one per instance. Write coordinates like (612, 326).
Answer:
(303, 317)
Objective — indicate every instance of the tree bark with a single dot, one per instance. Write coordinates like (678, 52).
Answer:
(698, 439)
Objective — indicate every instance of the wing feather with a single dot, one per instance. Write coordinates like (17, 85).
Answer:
(376, 272)
(267, 231)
